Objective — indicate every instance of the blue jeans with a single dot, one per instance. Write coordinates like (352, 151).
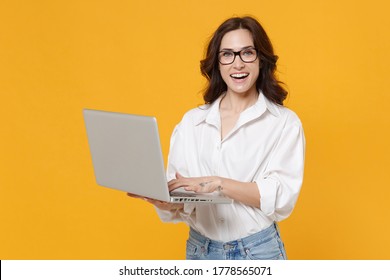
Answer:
(264, 245)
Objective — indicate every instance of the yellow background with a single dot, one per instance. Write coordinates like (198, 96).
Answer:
(139, 56)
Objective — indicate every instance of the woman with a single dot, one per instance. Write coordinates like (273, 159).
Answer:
(242, 143)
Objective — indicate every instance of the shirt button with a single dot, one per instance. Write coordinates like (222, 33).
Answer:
(221, 220)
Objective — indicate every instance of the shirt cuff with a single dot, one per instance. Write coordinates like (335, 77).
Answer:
(268, 189)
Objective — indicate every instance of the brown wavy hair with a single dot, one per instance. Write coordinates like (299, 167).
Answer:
(266, 82)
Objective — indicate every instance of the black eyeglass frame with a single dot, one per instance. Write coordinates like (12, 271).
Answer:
(239, 54)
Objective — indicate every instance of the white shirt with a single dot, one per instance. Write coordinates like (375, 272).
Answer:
(266, 146)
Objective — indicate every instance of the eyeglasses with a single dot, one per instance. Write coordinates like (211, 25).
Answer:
(248, 55)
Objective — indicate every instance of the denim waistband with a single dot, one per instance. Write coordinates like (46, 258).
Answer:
(259, 236)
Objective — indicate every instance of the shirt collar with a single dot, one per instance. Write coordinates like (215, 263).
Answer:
(263, 104)
(211, 111)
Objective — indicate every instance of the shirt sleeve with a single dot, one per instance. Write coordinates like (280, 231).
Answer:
(176, 163)
(280, 184)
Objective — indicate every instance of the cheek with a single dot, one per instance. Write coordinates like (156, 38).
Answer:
(256, 72)
(224, 74)
(257, 75)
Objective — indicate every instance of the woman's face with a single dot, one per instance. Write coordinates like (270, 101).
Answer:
(240, 77)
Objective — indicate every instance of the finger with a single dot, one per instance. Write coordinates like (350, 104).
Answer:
(172, 182)
(159, 204)
(180, 182)
(174, 186)
(134, 195)
(177, 184)
(154, 201)
(193, 188)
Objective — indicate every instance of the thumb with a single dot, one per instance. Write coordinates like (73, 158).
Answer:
(178, 175)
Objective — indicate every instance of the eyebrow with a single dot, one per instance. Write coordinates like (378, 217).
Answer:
(227, 49)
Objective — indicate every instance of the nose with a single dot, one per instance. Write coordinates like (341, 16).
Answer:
(238, 63)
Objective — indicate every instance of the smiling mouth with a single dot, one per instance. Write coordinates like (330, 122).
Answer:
(239, 76)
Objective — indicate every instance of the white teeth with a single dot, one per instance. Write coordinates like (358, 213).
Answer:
(239, 75)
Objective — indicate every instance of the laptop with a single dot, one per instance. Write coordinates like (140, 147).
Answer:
(126, 156)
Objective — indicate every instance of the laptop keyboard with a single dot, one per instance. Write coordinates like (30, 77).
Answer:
(180, 194)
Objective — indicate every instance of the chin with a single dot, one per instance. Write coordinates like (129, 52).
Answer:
(242, 90)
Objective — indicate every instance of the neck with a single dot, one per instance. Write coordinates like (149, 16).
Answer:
(237, 102)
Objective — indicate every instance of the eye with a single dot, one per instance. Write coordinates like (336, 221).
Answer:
(248, 52)
(226, 54)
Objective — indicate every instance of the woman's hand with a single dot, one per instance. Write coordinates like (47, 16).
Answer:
(207, 184)
(244, 192)
(158, 203)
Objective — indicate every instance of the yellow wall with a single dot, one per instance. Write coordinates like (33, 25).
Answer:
(137, 56)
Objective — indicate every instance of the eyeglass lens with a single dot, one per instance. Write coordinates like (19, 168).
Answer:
(246, 55)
